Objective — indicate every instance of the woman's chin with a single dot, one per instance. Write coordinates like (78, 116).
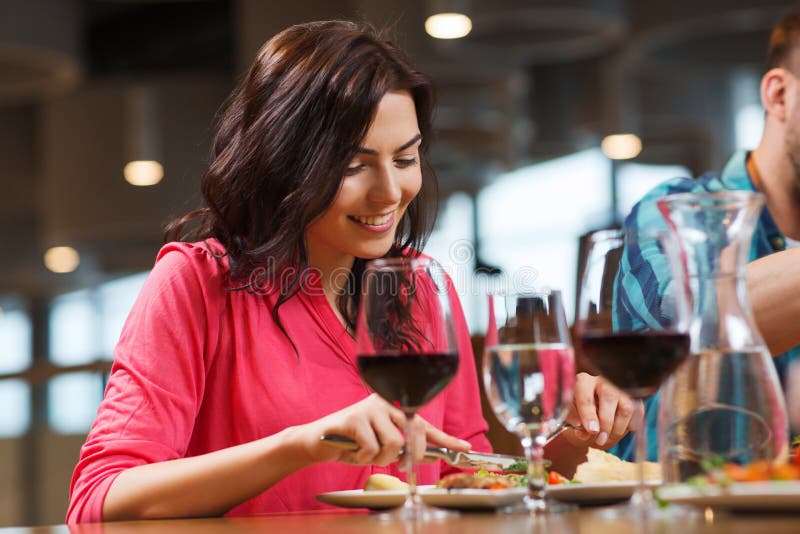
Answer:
(375, 251)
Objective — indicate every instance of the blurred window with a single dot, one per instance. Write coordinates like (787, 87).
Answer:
(73, 328)
(451, 244)
(115, 300)
(85, 326)
(749, 125)
(72, 401)
(15, 398)
(15, 340)
(531, 218)
(16, 356)
(748, 114)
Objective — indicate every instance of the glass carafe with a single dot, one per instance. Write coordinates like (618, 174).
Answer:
(725, 402)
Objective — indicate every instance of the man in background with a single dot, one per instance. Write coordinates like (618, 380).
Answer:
(773, 168)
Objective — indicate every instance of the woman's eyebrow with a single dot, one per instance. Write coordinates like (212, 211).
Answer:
(411, 142)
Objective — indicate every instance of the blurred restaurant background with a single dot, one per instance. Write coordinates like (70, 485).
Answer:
(527, 100)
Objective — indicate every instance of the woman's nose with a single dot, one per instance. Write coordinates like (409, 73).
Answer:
(386, 187)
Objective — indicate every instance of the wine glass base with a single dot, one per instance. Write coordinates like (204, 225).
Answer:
(639, 512)
(414, 511)
(538, 507)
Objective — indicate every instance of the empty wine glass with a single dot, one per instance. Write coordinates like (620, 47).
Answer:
(528, 374)
(406, 343)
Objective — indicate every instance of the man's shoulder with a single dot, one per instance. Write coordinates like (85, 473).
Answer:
(705, 182)
(645, 212)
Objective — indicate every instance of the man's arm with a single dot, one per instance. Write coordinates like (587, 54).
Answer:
(774, 286)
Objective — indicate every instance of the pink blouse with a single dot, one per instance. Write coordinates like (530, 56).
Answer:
(199, 368)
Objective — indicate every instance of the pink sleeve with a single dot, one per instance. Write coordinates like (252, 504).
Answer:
(158, 377)
(463, 416)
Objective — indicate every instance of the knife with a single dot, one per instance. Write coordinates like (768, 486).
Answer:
(463, 460)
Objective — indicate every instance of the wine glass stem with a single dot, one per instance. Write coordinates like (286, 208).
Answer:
(410, 466)
(643, 497)
(537, 481)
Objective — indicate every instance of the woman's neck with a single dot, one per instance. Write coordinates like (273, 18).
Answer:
(334, 273)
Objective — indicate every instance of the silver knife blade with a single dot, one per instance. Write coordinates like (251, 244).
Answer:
(463, 460)
(480, 460)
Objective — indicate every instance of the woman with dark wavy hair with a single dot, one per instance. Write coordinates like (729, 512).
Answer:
(238, 354)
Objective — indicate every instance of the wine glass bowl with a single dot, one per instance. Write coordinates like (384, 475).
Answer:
(406, 342)
(528, 373)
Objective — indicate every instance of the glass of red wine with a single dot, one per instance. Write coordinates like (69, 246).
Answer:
(635, 351)
(406, 343)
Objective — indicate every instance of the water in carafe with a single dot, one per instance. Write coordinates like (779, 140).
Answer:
(725, 402)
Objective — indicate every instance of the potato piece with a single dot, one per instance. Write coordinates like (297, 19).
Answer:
(604, 467)
(382, 482)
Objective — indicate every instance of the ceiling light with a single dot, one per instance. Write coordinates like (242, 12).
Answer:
(61, 259)
(143, 136)
(621, 146)
(143, 173)
(448, 25)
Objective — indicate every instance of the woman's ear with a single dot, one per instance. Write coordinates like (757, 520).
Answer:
(773, 92)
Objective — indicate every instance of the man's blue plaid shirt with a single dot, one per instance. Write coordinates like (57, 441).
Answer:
(641, 283)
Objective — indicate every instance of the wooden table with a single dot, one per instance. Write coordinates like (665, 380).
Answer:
(594, 521)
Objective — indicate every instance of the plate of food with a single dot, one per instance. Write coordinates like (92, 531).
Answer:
(381, 492)
(760, 486)
(481, 490)
(373, 500)
(603, 479)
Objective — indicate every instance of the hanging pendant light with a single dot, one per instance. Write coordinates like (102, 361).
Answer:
(448, 19)
(143, 138)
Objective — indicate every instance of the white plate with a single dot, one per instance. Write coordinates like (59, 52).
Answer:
(374, 500)
(472, 499)
(599, 493)
(750, 496)
(454, 499)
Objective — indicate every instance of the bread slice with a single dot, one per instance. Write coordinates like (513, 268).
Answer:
(601, 466)
(382, 482)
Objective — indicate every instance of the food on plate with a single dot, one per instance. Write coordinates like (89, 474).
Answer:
(481, 480)
(554, 478)
(717, 471)
(601, 466)
(383, 482)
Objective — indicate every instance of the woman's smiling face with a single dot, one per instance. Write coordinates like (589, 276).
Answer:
(381, 181)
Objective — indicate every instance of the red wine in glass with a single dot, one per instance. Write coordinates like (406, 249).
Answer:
(408, 381)
(636, 362)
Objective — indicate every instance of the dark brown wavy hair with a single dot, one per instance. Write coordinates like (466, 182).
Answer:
(283, 146)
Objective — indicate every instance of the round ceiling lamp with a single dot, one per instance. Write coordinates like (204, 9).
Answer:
(621, 146)
(448, 25)
(62, 259)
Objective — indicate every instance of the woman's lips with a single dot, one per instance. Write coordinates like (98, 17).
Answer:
(382, 223)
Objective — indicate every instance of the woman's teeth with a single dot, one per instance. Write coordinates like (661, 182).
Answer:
(373, 221)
